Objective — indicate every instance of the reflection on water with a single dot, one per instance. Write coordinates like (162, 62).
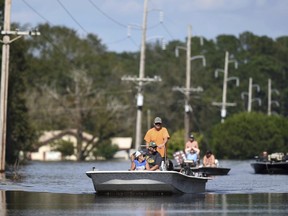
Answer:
(62, 188)
(31, 203)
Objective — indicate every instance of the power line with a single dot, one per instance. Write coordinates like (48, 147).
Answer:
(106, 15)
(43, 34)
(168, 32)
(117, 41)
(134, 42)
(35, 11)
(72, 16)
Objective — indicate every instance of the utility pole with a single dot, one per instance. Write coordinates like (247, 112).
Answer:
(270, 102)
(224, 103)
(5, 77)
(250, 97)
(141, 80)
(188, 109)
(187, 90)
(269, 97)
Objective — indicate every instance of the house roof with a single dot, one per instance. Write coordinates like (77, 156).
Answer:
(51, 136)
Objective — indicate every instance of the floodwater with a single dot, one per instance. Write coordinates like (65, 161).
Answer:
(62, 188)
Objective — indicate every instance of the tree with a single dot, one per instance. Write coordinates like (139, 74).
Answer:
(105, 149)
(65, 147)
(21, 132)
(245, 135)
(77, 106)
(60, 51)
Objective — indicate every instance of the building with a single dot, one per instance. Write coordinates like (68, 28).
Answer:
(45, 150)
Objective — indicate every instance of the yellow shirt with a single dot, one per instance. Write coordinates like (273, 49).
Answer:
(157, 136)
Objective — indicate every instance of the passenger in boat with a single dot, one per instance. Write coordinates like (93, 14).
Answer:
(209, 159)
(285, 158)
(159, 135)
(153, 157)
(192, 154)
(191, 142)
(139, 162)
(264, 156)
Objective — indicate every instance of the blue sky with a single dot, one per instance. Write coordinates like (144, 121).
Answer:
(109, 19)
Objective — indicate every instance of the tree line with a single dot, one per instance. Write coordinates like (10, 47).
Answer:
(60, 80)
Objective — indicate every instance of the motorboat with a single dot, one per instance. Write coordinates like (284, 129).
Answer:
(181, 164)
(211, 171)
(110, 182)
(276, 163)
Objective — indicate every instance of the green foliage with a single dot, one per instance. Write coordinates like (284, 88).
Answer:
(105, 150)
(65, 147)
(245, 135)
(108, 109)
(21, 133)
(176, 142)
(2, 3)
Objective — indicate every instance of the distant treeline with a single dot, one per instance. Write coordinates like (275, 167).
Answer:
(61, 80)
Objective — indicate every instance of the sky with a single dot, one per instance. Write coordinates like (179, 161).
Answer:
(118, 22)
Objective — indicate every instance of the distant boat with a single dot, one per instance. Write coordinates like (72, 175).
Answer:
(203, 171)
(189, 168)
(211, 171)
(110, 182)
(276, 163)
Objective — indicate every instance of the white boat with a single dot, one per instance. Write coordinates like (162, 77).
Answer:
(146, 182)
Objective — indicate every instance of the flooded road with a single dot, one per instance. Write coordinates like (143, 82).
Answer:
(62, 188)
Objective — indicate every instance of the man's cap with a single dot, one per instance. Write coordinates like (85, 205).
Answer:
(191, 136)
(157, 120)
(137, 154)
(152, 144)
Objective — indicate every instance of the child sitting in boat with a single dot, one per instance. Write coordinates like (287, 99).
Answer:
(139, 162)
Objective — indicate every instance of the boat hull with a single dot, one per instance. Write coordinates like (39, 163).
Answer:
(146, 181)
(212, 171)
(270, 167)
(206, 171)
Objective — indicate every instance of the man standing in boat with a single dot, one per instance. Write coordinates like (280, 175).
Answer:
(159, 135)
(192, 144)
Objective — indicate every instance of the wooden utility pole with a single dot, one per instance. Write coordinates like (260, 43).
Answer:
(250, 95)
(140, 96)
(4, 83)
(188, 108)
(6, 32)
(270, 101)
(224, 102)
(187, 89)
(141, 80)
